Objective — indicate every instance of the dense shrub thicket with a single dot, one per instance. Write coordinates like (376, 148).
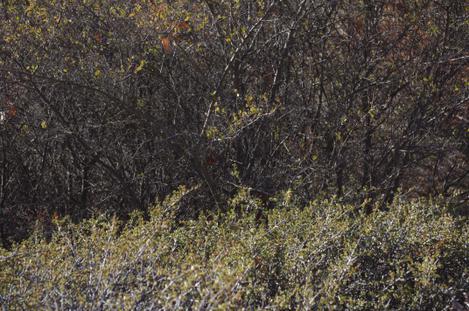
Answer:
(111, 105)
(323, 255)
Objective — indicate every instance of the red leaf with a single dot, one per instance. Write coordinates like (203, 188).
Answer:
(182, 26)
(11, 111)
(166, 43)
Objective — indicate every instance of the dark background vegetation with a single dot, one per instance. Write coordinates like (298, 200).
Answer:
(108, 106)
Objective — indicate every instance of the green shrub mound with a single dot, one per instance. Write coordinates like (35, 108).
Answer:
(325, 255)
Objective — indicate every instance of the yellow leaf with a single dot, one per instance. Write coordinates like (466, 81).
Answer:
(97, 73)
(43, 124)
(140, 103)
(140, 66)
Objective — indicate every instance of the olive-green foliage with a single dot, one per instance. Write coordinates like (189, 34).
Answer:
(328, 255)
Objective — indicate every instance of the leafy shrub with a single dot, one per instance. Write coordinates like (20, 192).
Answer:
(326, 254)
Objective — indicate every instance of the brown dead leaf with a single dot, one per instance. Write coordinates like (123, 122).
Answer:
(166, 43)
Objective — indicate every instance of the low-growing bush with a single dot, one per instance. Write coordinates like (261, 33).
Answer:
(326, 255)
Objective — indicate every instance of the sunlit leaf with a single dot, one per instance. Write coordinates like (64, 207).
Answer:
(140, 66)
